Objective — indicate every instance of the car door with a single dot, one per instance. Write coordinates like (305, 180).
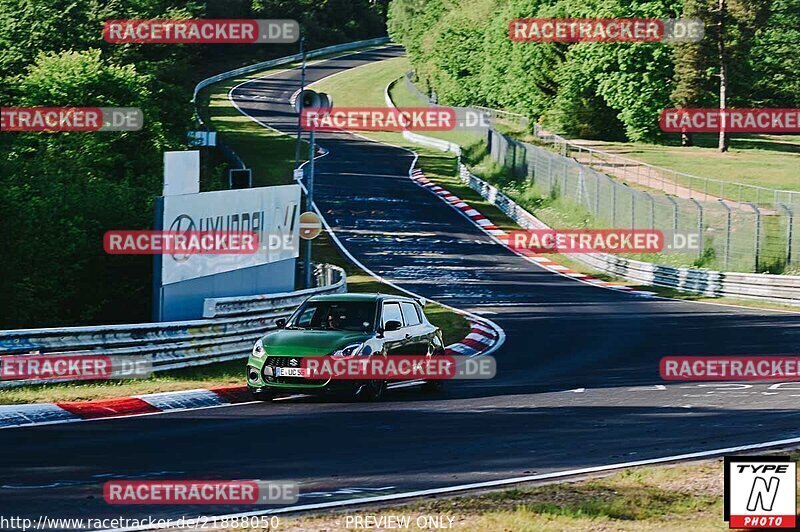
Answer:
(394, 341)
(432, 334)
(416, 339)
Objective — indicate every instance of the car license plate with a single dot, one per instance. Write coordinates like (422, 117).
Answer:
(289, 372)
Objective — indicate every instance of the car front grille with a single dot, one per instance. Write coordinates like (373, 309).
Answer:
(285, 362)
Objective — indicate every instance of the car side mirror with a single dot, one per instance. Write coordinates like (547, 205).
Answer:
(392, 325)
(280, 323)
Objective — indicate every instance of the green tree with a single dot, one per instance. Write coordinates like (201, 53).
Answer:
(62, 191)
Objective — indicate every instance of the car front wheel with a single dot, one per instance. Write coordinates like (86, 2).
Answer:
(263, 396)
(370, 390)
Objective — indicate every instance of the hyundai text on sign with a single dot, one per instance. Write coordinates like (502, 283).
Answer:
(232, 31)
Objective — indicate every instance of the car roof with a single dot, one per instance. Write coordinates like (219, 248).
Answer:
(376, 297)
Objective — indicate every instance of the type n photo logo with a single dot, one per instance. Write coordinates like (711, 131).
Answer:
(760, 492)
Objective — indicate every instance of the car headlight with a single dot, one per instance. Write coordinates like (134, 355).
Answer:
(348, 351)
(258, 349)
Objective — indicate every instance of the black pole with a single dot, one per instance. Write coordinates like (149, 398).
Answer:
(300, 96)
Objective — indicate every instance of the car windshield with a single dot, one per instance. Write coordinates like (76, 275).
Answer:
(335, 315)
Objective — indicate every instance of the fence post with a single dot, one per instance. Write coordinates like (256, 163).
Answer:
(633, 210)
(674, 214)
(727, 232)
(789, 229)
(596, 194)
(513, 146)
(758, 234)
(614, 205)
(652, 209)
(699, 226)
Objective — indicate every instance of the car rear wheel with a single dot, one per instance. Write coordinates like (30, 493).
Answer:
(434, 386)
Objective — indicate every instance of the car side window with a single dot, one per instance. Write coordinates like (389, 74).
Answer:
(391, 312)
(421, 314)
(304, 319)
(410, 314)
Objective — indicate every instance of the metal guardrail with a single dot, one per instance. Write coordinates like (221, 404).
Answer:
(237, 323)
(346, 47)
(330, 280)
(438, 144)
(783, 289)
(775, 288)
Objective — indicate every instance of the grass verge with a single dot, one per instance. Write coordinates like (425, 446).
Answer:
(769, 161)
(673, 498)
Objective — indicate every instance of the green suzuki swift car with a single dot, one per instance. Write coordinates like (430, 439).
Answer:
(342, 325)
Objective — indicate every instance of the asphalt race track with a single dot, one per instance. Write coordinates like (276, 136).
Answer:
(577, 384)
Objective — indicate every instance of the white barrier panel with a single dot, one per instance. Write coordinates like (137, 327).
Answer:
(181, 172)
(273, 213)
